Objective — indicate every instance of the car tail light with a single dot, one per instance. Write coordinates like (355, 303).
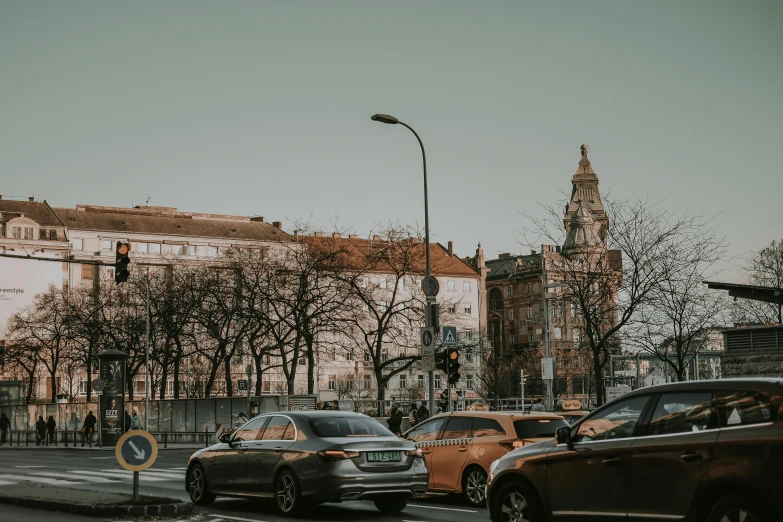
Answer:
(337, 454)
(414, 453)
(513, 444)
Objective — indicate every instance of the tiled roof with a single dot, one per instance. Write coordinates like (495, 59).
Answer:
(168, 223)
(505, 268)
(40, 212)
(357, 249)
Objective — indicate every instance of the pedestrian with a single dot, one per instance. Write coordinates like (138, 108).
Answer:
(126, 427)
(336, 405)
(395, 419)
(423, 413)
(40, 431)
(5, 427)
(89, 427)
(413, 416)
(51, 426)
(135, 421)
(538, 406)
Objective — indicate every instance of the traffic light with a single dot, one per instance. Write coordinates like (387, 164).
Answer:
(453, 361)
(122, 262)
(440, 360)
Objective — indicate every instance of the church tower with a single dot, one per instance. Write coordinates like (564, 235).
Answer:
(584, 192)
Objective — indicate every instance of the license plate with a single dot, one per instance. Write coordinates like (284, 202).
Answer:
(383, 456)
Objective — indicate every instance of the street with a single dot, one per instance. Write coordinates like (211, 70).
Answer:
(99, 471)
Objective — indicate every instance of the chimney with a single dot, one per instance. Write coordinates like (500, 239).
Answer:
(257, 218)
(319, 234)
(277, 224)
(337, 234)
(557, 249)
(504, 256)
(296, 233)
(353, 236)
(451, 249)
(533, 252)
(31, 198)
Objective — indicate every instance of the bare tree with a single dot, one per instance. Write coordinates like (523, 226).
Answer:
(765, 268)
(22, 359)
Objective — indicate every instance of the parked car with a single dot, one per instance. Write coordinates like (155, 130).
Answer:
(571, 410)
(309, 457)
(459, 447)
(702, 451)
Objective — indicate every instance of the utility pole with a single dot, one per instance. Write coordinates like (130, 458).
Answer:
(522, 386)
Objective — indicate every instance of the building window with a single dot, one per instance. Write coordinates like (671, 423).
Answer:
(420, 381)
(509, 290)
(86, 272)
(349, 355)
(577, 337)
(367, 382)
(466, 286)
(558, 333)
(52, 234)
(511, 314)
(451, 286)
(332, 382)
(28, 232)
(366, 357)
(512, 339)
(528, 289)
(437, 381)
(191, 250)
(42, 234)
(154, 248)
(468, 334)
(403, 382)
(573, 310)
(382, 282)
(385, 355)
(141, 248)
(468, 309)
(365, 281)
(469, 382)
(418, 283)
(77, 245)
(452, 309)
(529, 312)
(212, 251)
(106, 245)
(401, 284)
(383, 305)
(469, 355)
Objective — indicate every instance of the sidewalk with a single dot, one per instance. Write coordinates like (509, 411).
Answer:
(92, 503)
(170, 446)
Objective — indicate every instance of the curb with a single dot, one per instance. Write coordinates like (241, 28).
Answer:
(168, 509)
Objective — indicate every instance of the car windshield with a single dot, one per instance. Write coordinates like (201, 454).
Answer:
(348, 427)
(538, 428)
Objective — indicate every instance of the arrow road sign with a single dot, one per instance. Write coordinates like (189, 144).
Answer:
(449, 336)
(136, 450)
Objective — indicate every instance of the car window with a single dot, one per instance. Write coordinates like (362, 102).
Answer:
(290, 432)
(458, 428)
(483, 427)
(251, 430)
(742, 408)
(532, 428)
(427, 431)
(683, 412)
(615, 422)
(276, 428)
(357, 426)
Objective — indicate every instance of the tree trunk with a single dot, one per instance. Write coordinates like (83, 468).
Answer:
(290, 381)
(310, 368)
(176, 378)
(599, 381)
(210, 381)
(30, 381)
(229, 382)
(259, 372)
(54, 386)
(382, 392)
(163, 378)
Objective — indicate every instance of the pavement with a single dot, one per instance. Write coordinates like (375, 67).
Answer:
(89, 475)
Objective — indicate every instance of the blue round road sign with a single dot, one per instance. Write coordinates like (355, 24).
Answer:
(136, 450)
(430, 286)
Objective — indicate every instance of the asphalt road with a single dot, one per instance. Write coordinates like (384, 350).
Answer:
(99, 471)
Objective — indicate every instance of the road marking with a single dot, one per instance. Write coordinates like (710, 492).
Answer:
(6, 483)
(119, 475)
(102, 458)
(25, 467)
(99, 480)
(42, 480)
(240, 518)
(442, 508)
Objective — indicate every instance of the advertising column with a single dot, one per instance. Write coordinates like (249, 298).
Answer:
(112, 402)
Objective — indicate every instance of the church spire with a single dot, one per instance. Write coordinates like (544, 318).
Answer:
(585, 191)
(582, 234)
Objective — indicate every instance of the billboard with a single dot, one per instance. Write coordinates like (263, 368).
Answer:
(20, 281)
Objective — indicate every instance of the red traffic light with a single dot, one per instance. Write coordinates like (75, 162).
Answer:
(123, 248)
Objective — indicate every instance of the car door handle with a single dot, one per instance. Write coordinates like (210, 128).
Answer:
(426, 452)
(691, 456)
(463, 449)
(611, 461)
(278, 449)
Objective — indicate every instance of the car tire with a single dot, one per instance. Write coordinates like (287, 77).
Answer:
(198, 489)
(288, 500)
(516, 502)
(474, 484)
(733, 507)
(391, 505)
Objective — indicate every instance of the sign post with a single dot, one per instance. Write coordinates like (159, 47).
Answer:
(136, 451)
(249, 373)
(428, 348)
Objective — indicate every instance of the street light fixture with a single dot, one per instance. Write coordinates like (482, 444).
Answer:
(430, 320)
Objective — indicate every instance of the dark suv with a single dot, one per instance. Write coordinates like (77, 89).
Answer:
(704, 451)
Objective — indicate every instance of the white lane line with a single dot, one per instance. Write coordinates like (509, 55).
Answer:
(6, 483)
(148, 475)
(101, 458)
(42, 480)
(163, 473)
(442, 508)
(25, 467)
(216, 520)
(240, 518)
(178, 469)
(121, 476)
(74, 476)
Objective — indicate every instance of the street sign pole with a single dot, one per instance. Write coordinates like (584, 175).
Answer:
(136, 451)
(522, 384)
(249, 373)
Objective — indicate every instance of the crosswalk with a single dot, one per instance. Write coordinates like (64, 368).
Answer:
(54, 477)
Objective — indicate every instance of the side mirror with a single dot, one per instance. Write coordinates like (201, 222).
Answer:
(563, 435)
(225, 438)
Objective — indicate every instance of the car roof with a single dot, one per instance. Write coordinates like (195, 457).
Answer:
(318, 414)
(516, 415)
(762, 383)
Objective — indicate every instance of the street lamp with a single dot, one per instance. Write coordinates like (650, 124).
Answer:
(391, 120)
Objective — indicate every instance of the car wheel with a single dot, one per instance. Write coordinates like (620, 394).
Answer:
(198, 488)
(516, 502)
(287, 498)
(391, 505)
(474, 486)
(737, 509)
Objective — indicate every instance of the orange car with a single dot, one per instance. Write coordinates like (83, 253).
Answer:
(459, 447)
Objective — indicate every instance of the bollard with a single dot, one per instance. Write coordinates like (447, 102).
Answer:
(206, 436)
(55, 438)
(66, 437)
(26, 438)
(165, 438)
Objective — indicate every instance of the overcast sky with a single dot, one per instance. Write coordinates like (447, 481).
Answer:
(264, 108)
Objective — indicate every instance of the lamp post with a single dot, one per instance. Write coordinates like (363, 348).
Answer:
(391, 120)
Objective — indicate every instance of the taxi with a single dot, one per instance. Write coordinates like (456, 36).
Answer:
(459, 447)
(572, 410)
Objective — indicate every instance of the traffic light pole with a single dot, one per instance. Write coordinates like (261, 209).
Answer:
(448, 383)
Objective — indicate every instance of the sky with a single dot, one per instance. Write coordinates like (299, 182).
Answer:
(263, 108)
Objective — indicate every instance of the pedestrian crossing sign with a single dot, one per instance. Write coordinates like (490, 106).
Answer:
(449, 336)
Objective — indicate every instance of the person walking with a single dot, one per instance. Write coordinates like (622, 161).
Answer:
(40, 431)
(395, 419)
(423, 413)
(135, 422)
(413, 416)
(89, 427)
(538, 406)
(51, 426)
(5, 428)
(127, 422)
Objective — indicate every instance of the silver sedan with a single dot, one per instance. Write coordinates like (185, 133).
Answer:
(309, 457)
